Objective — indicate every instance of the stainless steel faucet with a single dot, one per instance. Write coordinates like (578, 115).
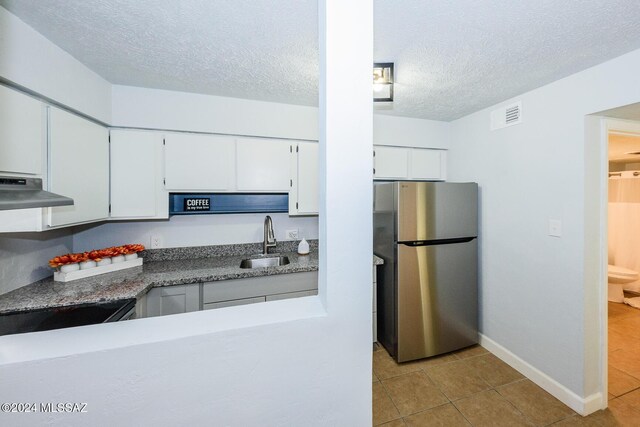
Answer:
(269, 236)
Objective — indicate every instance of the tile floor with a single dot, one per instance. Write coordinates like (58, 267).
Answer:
(472, 387)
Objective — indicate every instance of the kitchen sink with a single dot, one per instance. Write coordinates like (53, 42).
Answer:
(273, 261)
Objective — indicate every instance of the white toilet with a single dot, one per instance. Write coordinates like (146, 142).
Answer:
(619, 276)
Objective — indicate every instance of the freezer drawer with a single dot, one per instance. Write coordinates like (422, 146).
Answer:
(436, 210)
(437, 299)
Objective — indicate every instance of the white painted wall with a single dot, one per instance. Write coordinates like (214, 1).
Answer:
(536, 299)
(24, 257)
(29, 59)
(193, 230)
(163, 109)
(304, 361)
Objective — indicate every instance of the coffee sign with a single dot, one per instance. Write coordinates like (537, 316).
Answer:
(196, 204)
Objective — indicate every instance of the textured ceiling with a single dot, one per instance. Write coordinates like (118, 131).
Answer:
(452, 58)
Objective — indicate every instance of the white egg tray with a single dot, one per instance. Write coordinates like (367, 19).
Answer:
(94, 271)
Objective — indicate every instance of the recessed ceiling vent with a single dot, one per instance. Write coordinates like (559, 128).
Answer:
(508, 115)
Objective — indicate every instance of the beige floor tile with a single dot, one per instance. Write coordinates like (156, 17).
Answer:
(624, 414)
(493, 370)
(618, 312)
(436, 360)
(632, 399)
(621, 382)
(441, 416)
(603, 418)
(629, 327)
(383, 408)
(413, 392)
(535, 403)
(385, 367)
(626, 360)
(474, 350)
(576, 421)
(457, 379)
(490, 409)
(395, 423)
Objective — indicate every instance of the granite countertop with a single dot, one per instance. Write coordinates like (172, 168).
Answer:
(137, 281)
(377, 260)
(164, 267)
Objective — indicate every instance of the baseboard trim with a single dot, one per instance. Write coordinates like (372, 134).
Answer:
(583, 406)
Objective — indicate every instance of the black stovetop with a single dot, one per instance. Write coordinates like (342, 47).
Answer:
(64, 317)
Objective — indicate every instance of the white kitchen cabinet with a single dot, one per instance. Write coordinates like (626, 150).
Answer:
(391, 162)
(303, 196)
(405, 163)
(137, 176)
(427, 164)
(79, 168)
(199, 162)
(262, 165)
(22, 133)
(167, 300)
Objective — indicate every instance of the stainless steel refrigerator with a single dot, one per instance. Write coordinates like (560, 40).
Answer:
(427, 294)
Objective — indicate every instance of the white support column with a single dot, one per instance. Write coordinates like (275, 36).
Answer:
(346, 128)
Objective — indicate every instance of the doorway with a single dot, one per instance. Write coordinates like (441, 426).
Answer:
(623, 260)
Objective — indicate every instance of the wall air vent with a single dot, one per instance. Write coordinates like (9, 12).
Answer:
(508, 115)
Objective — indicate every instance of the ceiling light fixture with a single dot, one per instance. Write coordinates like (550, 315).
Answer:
(383, 82)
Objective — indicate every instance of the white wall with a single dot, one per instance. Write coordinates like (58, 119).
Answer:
(534, 291)
(30, 60)
(163, 109)
(24, 257)
(193, 230)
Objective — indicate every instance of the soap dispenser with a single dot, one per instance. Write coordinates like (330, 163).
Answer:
(303, 247)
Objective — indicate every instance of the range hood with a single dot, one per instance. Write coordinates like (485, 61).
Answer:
(25, 193)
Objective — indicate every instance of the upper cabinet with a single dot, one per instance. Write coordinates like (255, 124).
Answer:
(79, 168)
(404, 163)
(391, 162)
(303, 197)
(22, 133)
(199, 162)
(137, 175)
(262, 165)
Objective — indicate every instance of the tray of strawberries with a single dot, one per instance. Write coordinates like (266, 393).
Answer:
(86, 264)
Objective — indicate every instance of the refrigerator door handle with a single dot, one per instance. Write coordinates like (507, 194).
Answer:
(438, 242)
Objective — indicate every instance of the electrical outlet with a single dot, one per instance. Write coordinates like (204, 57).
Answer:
(156, 242)
(292, 234)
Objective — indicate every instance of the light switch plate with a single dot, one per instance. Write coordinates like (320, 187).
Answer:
(555, 228)
(292, 234)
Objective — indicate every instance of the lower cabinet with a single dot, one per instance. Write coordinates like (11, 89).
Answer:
(173, 300)
(176, 299)
(228, 293)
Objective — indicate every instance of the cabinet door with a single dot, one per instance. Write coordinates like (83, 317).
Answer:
(173, 300)
(290, 295)
(137, 189)
(391, 162)
(232, 303)
(258, 287)
(262, 165)
(199, 162)
(303, 197)
(427, 164)
(22, 133)
(79, 168)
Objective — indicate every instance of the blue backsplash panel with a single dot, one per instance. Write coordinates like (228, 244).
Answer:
(227, 203)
